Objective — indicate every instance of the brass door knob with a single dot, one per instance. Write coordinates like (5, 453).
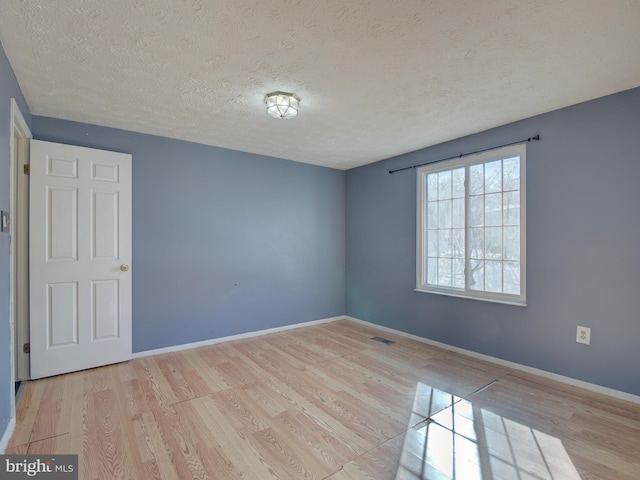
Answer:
(124, 267)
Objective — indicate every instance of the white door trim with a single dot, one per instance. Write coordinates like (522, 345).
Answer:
(17, 128)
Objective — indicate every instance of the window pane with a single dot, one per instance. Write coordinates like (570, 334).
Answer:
(512, 277)
(512, 243)
(493, 209)
(444, 185)
(477, 274)
(458, 213)
(493, 243)
(511, 173)
(476, 211)
(432, 215)
(512, 208)
(444, 214)
(458, 243)
(444, 272)
(493, 176)
(493, 276)
(476, 183)
(432, 187)
(444, 243)
(476, 242)
(432, 271)
(432, 242)
(458, 183)
(458, 273)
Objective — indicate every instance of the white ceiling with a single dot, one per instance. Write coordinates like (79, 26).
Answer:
(377, 78)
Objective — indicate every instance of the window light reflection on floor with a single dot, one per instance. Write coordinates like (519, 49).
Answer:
(460, 441)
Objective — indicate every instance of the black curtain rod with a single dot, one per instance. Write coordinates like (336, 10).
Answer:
(537, 137)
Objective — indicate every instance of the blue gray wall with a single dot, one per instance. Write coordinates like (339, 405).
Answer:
(8, 89)
(224, 242)
(583, 255)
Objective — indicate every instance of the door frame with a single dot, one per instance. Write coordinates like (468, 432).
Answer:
(20, 135)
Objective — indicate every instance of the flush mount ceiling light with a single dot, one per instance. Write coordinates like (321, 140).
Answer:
(281, 104)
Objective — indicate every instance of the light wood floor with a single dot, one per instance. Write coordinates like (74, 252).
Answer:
(326, 402)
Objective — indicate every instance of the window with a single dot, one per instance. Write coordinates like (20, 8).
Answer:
(471, 226)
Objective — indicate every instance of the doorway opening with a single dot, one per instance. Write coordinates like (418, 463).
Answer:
(19, 248)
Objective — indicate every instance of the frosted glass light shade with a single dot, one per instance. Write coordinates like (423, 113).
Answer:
(282, 105)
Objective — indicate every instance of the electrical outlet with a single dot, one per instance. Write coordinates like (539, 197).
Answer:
(583, 335)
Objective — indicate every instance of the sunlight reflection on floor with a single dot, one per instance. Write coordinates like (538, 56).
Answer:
(460, 441)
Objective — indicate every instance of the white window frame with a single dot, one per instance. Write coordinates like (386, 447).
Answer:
(421, 247)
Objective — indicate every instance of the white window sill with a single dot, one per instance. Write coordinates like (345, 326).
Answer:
(505, 301)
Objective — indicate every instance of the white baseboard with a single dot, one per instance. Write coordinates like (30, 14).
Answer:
(213, 341)
(7, 435)
(629, 397)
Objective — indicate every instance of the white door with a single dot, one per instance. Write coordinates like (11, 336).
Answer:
(79, 257)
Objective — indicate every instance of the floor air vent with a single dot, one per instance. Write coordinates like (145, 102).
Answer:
(383, 340)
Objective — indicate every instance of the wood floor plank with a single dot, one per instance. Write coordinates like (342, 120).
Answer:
(75, 401)
(320, 442)
(52, 418)
(19, 450)
(234, 443)
(379, 396)
(174, 369)
(236, 372)
(154, 443)
(378, 463)
(284, 458)
(241, 410)
(26, 412)
(182, 453)
(326, 402)
(50, 446)
(247, 460)
(331, 422)
(210, 377)
(216, 463)
(272, 403)
(149, 373)
(89, 457)
(112, 454)
(127, 402)
(331, 403)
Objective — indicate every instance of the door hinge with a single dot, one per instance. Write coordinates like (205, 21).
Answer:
(26, 348)
(27, 169)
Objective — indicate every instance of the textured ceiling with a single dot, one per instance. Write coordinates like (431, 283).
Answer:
(377, 78)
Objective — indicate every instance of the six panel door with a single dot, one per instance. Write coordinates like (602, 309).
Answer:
(80, 255)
